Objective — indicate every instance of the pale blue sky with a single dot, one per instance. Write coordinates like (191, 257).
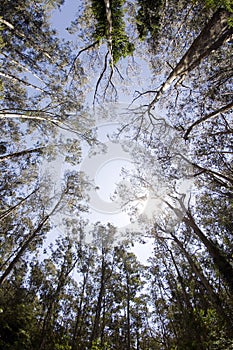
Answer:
(61, 19)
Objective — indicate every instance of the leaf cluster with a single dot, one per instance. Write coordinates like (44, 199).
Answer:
(121, 45)
(148, 18)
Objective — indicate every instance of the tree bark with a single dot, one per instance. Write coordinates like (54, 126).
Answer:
(220, 261)
(128, 312)
(77, 327)
(214, 298)
(38, 115)
(23, 248)
(214, 174)
(24, 82)
(109, 20)
(212, 36)
(54, 298)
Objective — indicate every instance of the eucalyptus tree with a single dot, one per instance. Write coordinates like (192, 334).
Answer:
(213, 35)
(186, 303)
(37, 96)
(33, 60)
(28, 237)
(58, 268)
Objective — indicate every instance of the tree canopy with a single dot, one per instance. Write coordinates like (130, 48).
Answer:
(172, 62)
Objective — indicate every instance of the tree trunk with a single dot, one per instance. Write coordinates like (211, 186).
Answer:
(213, 35)
(77, 326)
(214, 298)
(24, 82)
(40, 115)
(53, 300)
(128, 312)
(21, 153)
(217, 176)
(11, 209)
(26, 244)
(23, 248)
(216, 301)
(181, 281)
(96, 325)
(218, 257)
(109, 20)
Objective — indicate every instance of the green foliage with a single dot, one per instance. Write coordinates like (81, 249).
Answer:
(121, 45)
(148, 18)
(96, 345)
(18, 320)
(101, 26)
(214, 4)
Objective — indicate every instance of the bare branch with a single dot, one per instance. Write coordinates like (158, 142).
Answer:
(26, 83)
(42, 116)
(207, 116)
(101, 76)
(79, 53)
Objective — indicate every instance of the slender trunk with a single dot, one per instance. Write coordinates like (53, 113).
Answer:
(79, 313)
(65, 271)
(11, 209)
(214, 174)
(24, 82)
(21, 153)
(218, 257)
(42, 116)
(128, 312)
(22, 35)
(21, 66)
(26, 245)
(214, 298)
(181, 281)
(22, 250)
(96, 325)
(213, 35)
(32, 115)
(102, 338)
(109, 20)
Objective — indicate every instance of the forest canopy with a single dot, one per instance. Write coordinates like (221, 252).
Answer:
(71, 282)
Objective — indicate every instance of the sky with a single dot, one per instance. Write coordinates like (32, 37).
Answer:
(61, 18)
(107, 172)
(104, 169)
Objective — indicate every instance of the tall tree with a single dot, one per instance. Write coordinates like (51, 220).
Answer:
(213, 35)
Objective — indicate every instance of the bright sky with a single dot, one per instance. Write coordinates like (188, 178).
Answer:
(104, 169)
(62, 18)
